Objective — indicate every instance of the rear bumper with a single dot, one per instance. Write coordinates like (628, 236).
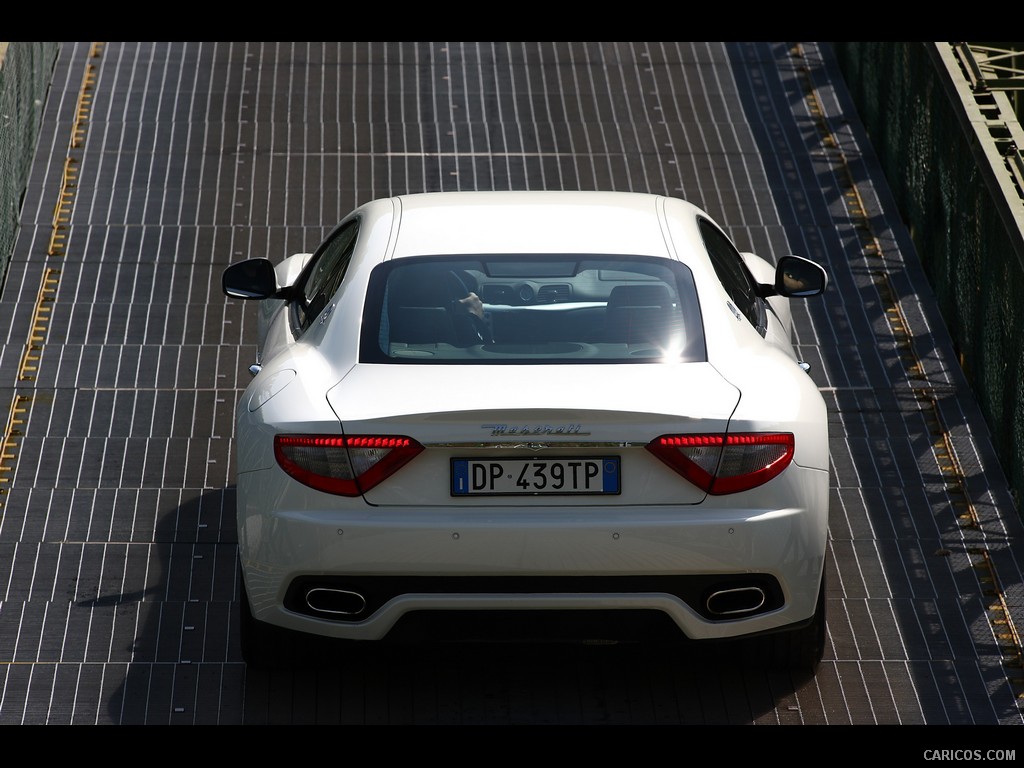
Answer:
(355, 571)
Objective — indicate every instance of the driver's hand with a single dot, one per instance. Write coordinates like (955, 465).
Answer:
(473, 305)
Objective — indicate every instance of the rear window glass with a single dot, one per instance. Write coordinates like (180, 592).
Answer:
(531, 309)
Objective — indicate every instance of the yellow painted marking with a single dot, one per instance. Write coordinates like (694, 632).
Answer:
(32, 353)
(40, 317)
(12, 430)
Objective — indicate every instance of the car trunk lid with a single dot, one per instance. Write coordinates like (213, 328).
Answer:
(513, 434)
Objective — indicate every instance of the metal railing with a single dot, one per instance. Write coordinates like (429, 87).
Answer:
(995, 68)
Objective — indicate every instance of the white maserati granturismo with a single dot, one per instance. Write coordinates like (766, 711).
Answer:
(516, 411)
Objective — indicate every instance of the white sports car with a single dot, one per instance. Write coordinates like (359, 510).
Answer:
(528, 412)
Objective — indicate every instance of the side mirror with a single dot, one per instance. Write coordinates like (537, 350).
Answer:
(250, 279)
(798, 277)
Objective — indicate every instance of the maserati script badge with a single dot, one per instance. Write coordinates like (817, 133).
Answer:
(534, 429)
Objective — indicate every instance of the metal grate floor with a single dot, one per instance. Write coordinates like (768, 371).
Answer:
(161, 163)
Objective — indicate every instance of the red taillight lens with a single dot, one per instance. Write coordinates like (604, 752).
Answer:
(721, 464)
(343, 465)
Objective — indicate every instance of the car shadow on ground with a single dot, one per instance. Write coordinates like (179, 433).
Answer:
(492, 682)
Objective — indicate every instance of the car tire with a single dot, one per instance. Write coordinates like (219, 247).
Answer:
(264, 646)
(801, 650)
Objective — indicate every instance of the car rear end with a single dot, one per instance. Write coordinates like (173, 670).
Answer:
(564, 469)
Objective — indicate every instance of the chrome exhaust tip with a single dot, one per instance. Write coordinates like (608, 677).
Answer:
(335, 602)
(736, 601)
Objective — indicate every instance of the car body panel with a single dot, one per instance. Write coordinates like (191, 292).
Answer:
(523, 222)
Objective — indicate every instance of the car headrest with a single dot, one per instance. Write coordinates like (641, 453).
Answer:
(425, 286)
(639, 296)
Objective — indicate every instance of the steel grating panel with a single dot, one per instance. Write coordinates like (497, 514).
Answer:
(122, 361)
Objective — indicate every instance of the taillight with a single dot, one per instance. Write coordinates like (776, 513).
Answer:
(346, 465)
(721, 464)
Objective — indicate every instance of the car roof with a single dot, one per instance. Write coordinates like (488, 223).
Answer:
(534, 222)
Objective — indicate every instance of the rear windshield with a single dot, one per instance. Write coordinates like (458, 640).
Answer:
(531, 309)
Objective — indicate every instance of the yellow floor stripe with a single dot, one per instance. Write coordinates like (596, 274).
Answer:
(47, 294)
(40, 321)
(12, 431)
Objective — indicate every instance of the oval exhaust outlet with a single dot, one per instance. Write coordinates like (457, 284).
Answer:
(336, 602)
(730, 602)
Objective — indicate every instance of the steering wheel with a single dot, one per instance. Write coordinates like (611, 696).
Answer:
(471, 327)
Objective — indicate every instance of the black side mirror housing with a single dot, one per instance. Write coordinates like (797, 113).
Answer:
(250, 279)
(796, 277)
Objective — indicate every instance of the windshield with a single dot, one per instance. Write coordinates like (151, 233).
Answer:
(531, 309)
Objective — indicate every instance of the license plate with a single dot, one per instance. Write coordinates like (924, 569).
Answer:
(534, 476)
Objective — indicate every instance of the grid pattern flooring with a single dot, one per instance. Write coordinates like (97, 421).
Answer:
(161, 163)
